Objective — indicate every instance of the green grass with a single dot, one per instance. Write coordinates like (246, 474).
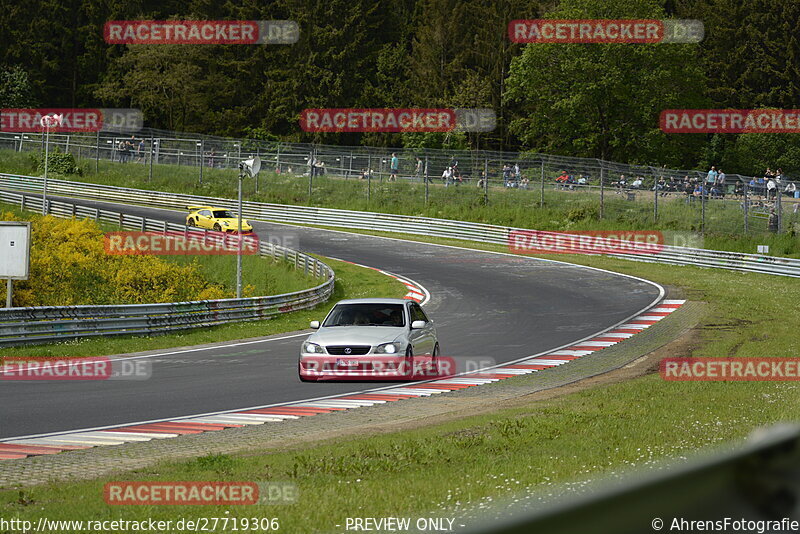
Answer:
(535, 448)
(351, 282)
(562, 211)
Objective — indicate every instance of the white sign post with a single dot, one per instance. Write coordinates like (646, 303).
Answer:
(15, 253)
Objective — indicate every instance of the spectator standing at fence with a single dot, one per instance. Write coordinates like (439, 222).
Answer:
(772, 188)
(506, 175)
(711, 177)
(394, 166)
(140, 151)
(721, 181)
(418, 169)
(516, 172)
(790, 189)
(123, 152)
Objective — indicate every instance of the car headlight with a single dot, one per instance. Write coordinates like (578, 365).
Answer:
(225, 223)
(312, 348)
(387, 348)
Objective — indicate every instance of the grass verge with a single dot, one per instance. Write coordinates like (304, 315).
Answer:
(531, 449)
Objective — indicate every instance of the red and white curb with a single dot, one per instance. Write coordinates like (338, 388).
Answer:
(52, 444)
(416, 292)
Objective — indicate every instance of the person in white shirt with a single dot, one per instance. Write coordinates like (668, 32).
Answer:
(790, 189)
(446, 175)
(637, 183)
(771, 188)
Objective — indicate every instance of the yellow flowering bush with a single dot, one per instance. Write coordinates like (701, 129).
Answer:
(69, 266)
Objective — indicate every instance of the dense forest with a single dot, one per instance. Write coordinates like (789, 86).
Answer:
(573, 99)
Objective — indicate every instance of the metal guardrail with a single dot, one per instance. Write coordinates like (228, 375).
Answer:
(400, 223)
(22, 326)
(408, 224)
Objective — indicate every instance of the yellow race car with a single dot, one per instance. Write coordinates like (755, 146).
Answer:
(219, 219)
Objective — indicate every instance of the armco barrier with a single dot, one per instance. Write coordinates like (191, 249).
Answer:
(22, 326)
(426, 226)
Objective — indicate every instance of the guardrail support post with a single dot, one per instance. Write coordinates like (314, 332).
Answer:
(97, 154)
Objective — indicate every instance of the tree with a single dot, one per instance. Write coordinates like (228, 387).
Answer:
(15, 88)
(604, 100)
(166, 82)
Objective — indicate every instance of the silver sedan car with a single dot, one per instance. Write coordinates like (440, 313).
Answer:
(370, 339)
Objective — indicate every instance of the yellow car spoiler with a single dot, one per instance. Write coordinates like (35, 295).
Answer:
(194, 208)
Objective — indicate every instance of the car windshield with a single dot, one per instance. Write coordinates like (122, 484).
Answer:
(366, 315)
(223, 214)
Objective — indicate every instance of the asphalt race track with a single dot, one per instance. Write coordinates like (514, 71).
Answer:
(484, 305)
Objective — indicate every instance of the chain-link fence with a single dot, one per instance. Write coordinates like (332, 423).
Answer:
(389, 178)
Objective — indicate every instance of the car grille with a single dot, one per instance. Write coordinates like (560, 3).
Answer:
(341, 350)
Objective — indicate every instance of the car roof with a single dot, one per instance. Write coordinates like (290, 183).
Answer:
(195, 208)
(372, 301)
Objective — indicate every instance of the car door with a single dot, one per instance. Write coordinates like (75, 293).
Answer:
(424, 339)
(204, 219)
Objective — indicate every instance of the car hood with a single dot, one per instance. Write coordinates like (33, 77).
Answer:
(356, 335)
(233, 222)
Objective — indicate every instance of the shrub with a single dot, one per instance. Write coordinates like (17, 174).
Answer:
(57, 162)
(69, 267)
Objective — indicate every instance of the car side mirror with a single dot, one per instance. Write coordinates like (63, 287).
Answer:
(416, 325)
(314, 325)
